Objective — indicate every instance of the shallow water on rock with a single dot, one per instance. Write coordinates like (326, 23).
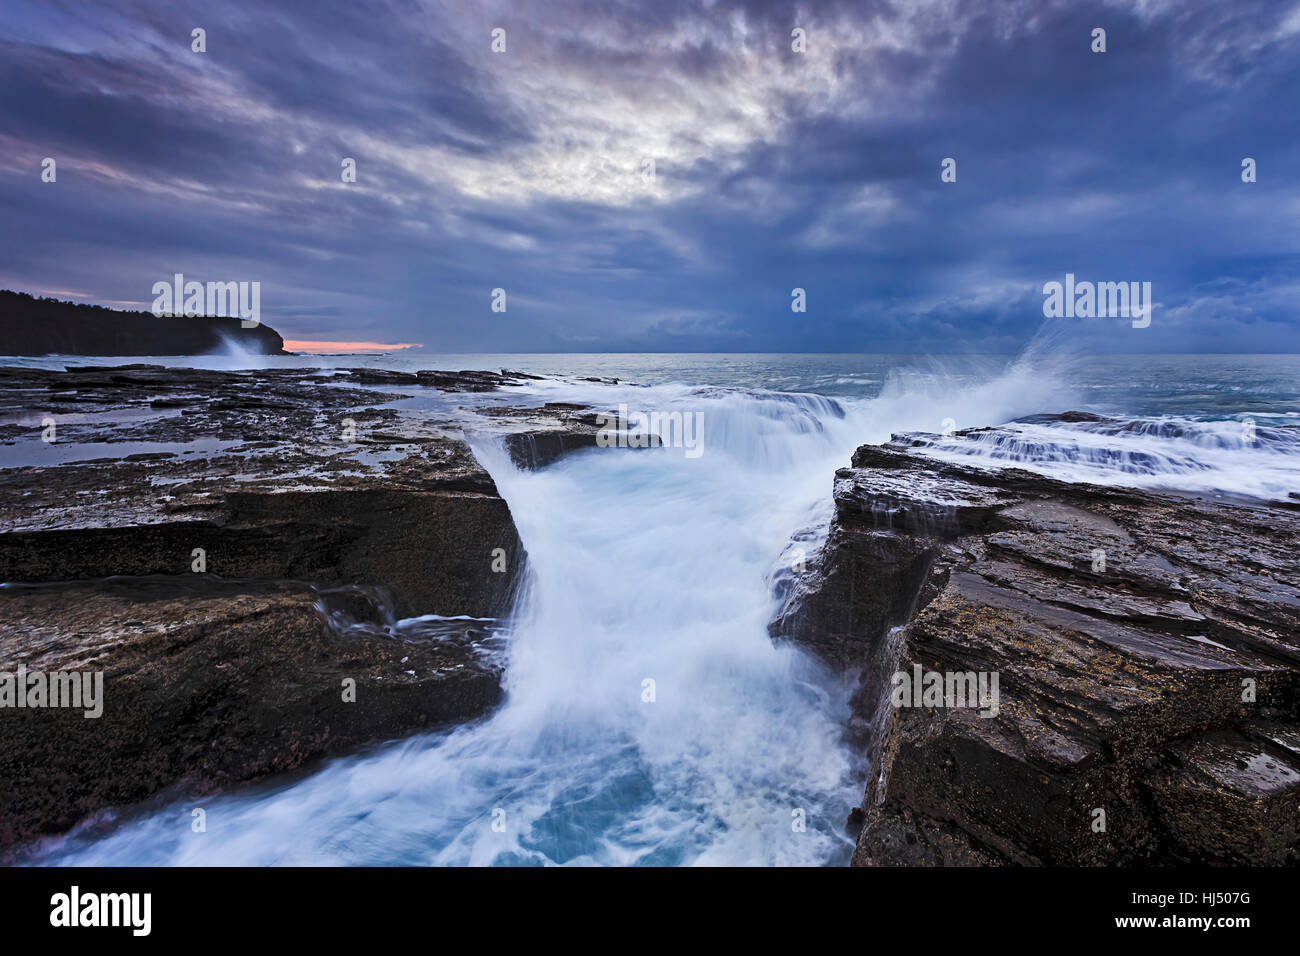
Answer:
(648, 716)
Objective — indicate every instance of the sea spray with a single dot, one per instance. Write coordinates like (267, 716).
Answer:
(648, 717)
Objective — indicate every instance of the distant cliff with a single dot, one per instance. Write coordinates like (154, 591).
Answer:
(34, 326)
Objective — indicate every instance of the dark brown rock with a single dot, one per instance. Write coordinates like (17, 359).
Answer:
(323, 515)
(204, 687)
(1122, 687)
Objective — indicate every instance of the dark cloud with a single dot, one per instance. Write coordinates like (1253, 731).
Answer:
(773, 171)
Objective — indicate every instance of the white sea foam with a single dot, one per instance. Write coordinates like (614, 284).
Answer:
(644, 565)
(1167, 453)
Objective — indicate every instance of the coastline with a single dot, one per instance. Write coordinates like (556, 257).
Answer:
(317, 543)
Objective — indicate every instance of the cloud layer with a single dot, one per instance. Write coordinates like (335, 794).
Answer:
(528, 169)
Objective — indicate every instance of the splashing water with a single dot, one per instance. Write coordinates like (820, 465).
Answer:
(1163, 453)
(231, 355)
(648, 717)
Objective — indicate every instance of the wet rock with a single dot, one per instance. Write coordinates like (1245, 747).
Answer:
(537, 437)
(538, 447)
(270, 475)
(1147, 648)
(296, 530)
(204, 688)
(1229, 797)
(467, 380)
(378, 376)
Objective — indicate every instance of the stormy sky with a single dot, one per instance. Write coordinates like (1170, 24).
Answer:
(526, 169)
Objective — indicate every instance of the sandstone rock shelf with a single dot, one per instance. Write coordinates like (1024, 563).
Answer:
(228, 548)
(1148, 650)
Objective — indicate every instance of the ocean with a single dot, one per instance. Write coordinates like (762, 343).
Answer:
(649, 719)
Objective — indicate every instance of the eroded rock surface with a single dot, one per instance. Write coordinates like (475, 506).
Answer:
(1148, 654)
(273, 474)
(211, 684)
(227, 548)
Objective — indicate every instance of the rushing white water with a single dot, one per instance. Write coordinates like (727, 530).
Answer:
(644, 565)
(1237, 457)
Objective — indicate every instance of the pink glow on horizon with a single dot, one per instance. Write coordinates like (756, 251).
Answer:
(315, 348)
